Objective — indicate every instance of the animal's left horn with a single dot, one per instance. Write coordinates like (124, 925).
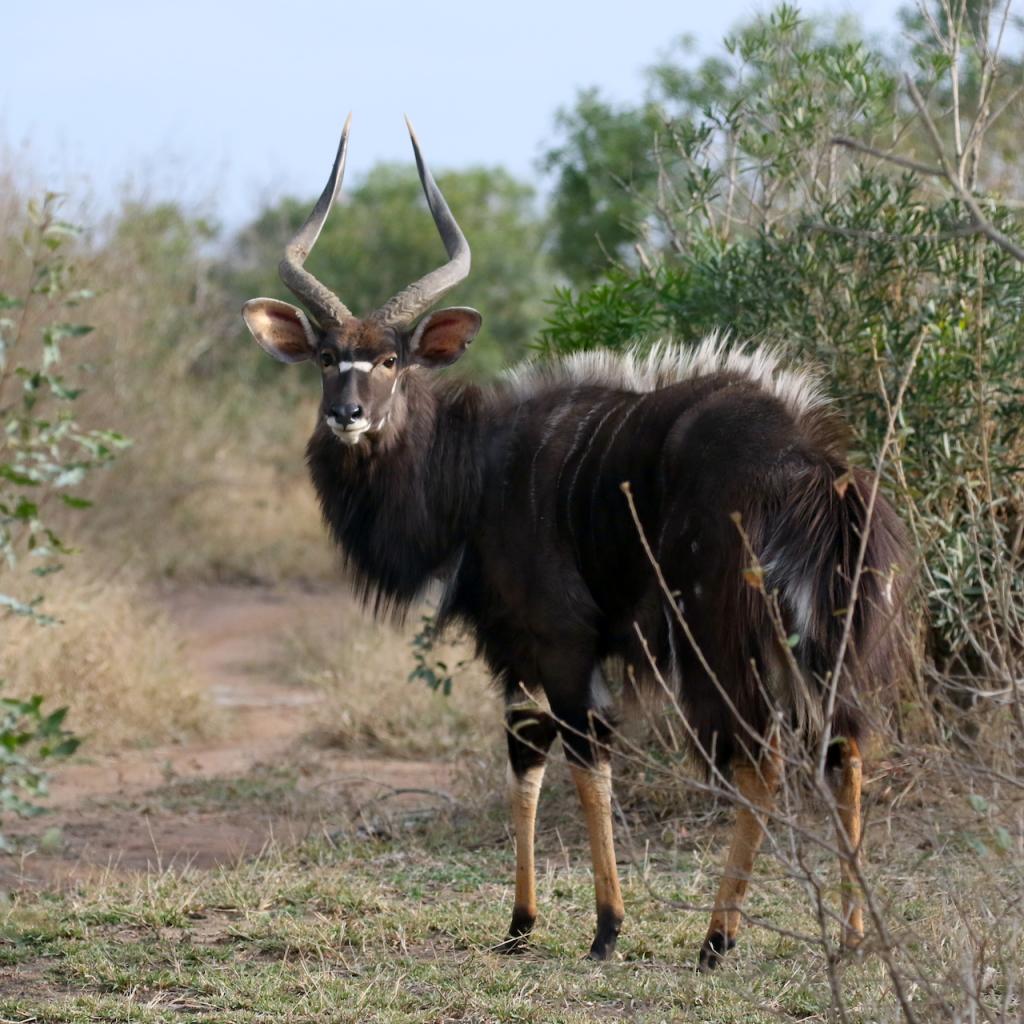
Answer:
(322, 302)
(418, 297)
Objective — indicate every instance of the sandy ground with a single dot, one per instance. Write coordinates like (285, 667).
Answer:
(173, 805)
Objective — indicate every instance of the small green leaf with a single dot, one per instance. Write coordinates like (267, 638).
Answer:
(8, 472)
(25, 510)
(55, 332)
(1003, 839)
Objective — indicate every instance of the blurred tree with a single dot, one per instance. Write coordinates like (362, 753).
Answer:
(160, 266)
(604, 171)
(381, 237)
(970, 36)
(768, 98)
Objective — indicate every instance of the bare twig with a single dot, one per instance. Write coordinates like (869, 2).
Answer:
(984, 225)
(888, 156)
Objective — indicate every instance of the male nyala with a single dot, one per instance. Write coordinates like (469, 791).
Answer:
(512, 495)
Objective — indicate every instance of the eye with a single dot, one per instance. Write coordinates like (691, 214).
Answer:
(326, 358)
(389, 362)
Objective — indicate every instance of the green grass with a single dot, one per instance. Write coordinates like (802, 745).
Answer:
(365, 930)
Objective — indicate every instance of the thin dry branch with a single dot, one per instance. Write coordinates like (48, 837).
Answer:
(984, 225)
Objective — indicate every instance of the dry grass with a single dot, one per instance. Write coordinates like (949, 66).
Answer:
(114, 659)
(399, 930)
(372, 705)
(214, 487)
(228, 517)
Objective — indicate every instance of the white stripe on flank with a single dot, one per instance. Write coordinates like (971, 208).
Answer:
(362, 367)
(607, 448)
(583, 458)
(552, 421)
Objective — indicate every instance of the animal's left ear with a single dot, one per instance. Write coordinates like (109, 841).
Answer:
(441, 337)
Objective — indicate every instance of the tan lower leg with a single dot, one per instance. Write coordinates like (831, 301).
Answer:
(594, 786)
(848, 805)
(757, 785)
(524, 792)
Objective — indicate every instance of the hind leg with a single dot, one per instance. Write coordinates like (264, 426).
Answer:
(530, 732)
(757, 784)
(849, 840)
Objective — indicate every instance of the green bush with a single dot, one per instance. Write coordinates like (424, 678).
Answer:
(44, 452)
(29, 737)
(760, 224)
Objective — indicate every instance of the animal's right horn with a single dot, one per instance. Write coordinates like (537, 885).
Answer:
(320, 300)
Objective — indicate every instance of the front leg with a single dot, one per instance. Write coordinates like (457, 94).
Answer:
(594, 786)
(586, 736)
(531, 732)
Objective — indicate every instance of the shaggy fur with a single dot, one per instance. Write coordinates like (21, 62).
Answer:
(512, 496)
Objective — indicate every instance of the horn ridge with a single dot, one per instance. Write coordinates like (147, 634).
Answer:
(418, 297)
(322, 302)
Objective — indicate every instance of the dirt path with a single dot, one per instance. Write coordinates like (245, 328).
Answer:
(215, 801)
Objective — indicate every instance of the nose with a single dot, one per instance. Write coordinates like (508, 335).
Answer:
(346, 414)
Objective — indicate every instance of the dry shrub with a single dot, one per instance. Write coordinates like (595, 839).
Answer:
(371, 703)
(114, 659)
(227, 517)
(214, 486)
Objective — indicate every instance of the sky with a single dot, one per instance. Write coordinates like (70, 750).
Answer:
(227, 105)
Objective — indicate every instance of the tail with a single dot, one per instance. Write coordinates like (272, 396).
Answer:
(811, 548)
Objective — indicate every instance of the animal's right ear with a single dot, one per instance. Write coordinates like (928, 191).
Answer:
(281, 329)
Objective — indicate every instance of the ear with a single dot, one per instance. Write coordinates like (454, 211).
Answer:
(281, 329)
(441, 337)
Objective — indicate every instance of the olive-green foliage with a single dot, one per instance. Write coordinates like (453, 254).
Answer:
(381, 237)
(617, 171)
(28, 737)
(45, 453)
(603, 166)
(761, 226)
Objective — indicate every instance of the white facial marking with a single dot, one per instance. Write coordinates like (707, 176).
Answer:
(350, 434)
(363, 367)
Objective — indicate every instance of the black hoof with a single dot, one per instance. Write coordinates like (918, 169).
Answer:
(716, 945)
(608, 927)
(601, 950)
(511, 946)
(518, 930)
